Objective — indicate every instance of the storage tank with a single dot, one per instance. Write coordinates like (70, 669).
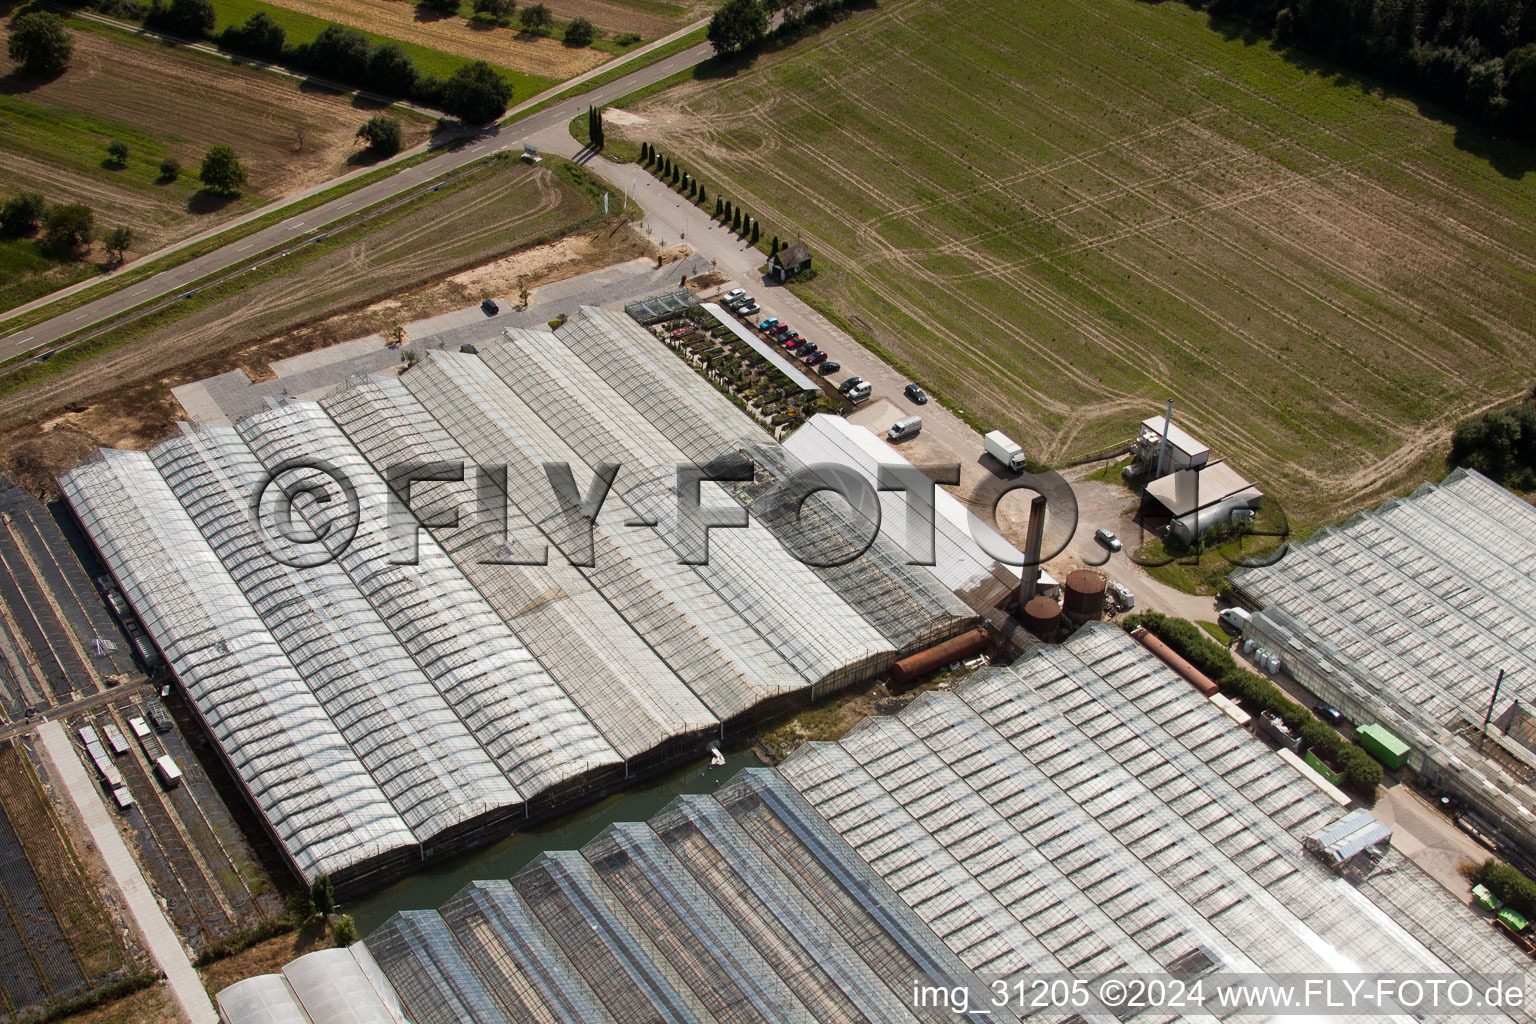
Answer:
(1082, 598)
(1193, 676)
(936, 657)
(1042, 617)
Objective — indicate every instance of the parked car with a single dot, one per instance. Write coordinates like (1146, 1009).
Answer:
(1328, 713)
(740, 301)
(805, 348)
(766, 324)
(733, 295)
(1108, 539)
(810, 354)
(791, 340)
(750, 308)
(780, 329)
(860, 391)
(916, 394)
(849, 384)
(826, 369)
(815, 358)
(489, 307)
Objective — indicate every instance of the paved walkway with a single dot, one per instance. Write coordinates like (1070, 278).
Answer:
(159, 938)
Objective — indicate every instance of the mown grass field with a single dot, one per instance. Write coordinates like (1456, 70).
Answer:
(54, 134)
(1060, 213)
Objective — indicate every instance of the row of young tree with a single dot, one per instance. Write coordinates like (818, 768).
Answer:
(1476, 56)
(474, 93)
(726, 212)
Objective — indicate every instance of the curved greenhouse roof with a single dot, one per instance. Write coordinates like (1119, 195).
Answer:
(389, 667)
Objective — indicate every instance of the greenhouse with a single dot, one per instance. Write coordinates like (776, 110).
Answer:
(1083, 811)
(398, 667)
(1404, 618)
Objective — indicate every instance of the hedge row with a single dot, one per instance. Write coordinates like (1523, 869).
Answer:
(94, 998)
(1361, 771)
(1508, 884)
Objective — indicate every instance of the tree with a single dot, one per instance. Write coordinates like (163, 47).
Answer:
(755, 226)
(1520, 88)
(259, 36)
(736, 222)
(579, 33)
(117, 151)
(729, 210)
(645, 153)
(20, 214)
(719, 208)
(39, 43)
(344, 931)
(535, 17)
(677, 176)
(382, 135)
(390, 70)
(737, 25)
(340, 53)
(322, 895)
(476, 94)
(191, 18)
(594, 128)
(221, 170)
(774, 248)
(170, 168)
(117, 242)
(68, 228)
(448, 7)
(702, 197)
(497, 9)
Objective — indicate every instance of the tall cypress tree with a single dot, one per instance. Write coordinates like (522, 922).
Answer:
(774, 248)
(736, 222)
(719, 207)
(755, 226)
(702, 197)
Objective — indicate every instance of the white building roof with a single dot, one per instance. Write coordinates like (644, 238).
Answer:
(1186, 490)
(1178, 437)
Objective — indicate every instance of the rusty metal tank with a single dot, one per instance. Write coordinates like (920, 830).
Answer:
(1082, 597)
(950, 651)
(1042, 617)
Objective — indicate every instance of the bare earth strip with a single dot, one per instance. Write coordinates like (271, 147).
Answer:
(1067, 210)
(504, 47)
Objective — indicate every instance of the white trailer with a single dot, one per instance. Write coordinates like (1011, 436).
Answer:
(170, 775)
(1005, 451)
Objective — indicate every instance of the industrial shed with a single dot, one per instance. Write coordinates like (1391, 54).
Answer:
(422, 692)
(1405, 616)
(1082, 811)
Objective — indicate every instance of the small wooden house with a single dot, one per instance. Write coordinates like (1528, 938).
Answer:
(790, 261)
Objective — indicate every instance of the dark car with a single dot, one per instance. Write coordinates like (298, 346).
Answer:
(809, 353)
(791, 341)
(489, 307)
(849, 384)
(815, 357)
(1328, 713)
(805, 348)
(827, 368)
(781, 328)
(916, 394)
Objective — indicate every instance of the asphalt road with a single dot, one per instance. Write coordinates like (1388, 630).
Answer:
(301, 227)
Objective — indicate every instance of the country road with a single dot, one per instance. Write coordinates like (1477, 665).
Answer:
(300, 228)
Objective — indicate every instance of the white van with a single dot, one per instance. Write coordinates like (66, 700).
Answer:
(904, 428)
(1233, 620)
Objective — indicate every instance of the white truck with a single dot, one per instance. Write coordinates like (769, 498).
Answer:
(1005, 451)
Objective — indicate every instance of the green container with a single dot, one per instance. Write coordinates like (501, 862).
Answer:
(1486, 899)
(1322, 769)
(1380, 742)
(1513, 921)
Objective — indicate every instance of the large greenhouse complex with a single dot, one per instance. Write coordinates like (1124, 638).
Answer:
(392, 686)
(1083, 811)
(1405, 618)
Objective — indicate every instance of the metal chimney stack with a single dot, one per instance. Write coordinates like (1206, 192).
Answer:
(1034, 540)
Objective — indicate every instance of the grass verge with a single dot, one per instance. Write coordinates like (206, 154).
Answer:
(613, 74)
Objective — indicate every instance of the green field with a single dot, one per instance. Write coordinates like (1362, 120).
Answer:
(1058, 214)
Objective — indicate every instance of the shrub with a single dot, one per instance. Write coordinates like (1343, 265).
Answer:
(68, 228)
(259, 36)
(579, 33)
(535, 17)
(117, 151)
(382, 134)
(1500, 444)
(1508, 884)
(495, 9)
(476, 93)
(20, 214)
(390, 71)
(117, 242)
(191, 18)
(170, 168)
(626, 39)
(39, 43)
(449, 7)
(343, 931)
